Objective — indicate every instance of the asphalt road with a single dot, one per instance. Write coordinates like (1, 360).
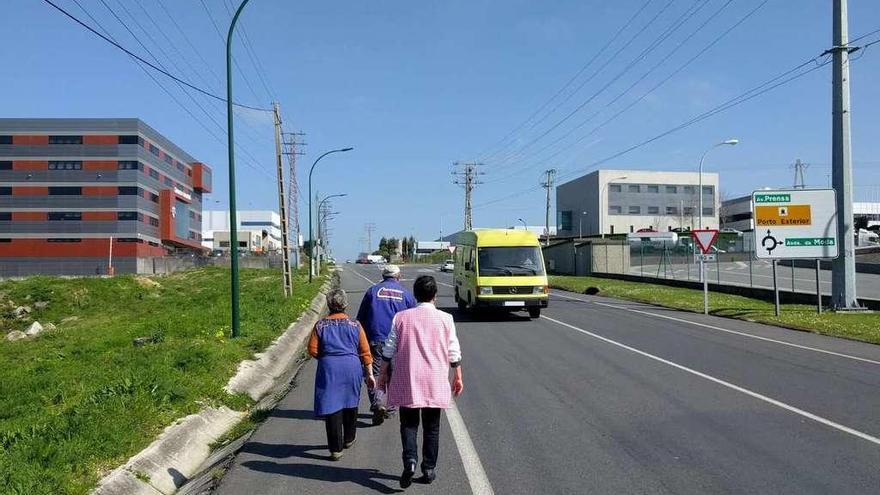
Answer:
(760, 274)
(604, 396)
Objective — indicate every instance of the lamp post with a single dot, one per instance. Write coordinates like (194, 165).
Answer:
(581, 225)
(320, 233)
(602, 209)
(525, 227)
(233, 238)
(729, 142)
(311, 237)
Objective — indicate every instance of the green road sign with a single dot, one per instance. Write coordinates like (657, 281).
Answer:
(772, 198)
(809, 241)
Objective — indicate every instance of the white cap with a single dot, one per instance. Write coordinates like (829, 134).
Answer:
(391, 271)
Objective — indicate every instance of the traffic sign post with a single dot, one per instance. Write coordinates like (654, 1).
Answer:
(795, 224)
(705, 238)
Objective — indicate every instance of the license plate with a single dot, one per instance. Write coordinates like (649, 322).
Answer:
(514, 303)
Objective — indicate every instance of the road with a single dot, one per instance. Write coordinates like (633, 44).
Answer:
(605, 396)
(760, 274)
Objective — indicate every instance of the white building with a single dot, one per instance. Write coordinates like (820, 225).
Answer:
(736, 214)
(624, 201)
(266, 224)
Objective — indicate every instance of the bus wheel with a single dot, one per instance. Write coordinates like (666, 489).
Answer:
(534, 312)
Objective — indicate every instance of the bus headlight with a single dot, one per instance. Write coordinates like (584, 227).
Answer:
(540, 289)
(485, 291)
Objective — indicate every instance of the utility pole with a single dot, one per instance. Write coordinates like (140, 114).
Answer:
(843, 269)
(548, 185)
(293, 190)
(369, 228)
(466, 176)
(285, 247)
(799, 168)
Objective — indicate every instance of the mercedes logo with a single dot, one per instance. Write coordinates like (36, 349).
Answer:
(513, 290)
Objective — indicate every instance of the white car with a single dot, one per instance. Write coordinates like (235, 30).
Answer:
(447, 266)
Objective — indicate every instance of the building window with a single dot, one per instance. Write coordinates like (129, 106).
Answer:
(708, 190)
(128, 140)
(154, 150)
(5, 191)
(65, 140)
(708, 211)
(64, 239)
(5, 139)
(64, 215)
(634, 188)
(65, 165)
(129, 239)
(154, 221)
(688, 210)
(129, 191)
(169, 182)
(564, 220)
(65, 191)
(154, 198)
(242, 244)
(126, 216)
(154, 174)
(169, 160)
(181, 167)
(5, 216)
(129, 165)
(653, 210)
(224, 244)
(615, 210)
(635, 210)
(632, 229)
(614, 188)
(689, 190)
(5, 165)
(671, 190)
(672, 210)
(653, 188)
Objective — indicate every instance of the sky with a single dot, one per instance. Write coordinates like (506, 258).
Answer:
(417, 86)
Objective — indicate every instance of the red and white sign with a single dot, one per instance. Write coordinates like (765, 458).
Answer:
(451, 248)
(705, 238)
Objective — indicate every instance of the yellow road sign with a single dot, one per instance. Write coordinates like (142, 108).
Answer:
(782, 215)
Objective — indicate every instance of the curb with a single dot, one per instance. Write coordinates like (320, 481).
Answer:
(180, 452)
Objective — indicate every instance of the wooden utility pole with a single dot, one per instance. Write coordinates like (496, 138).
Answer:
(285, 246)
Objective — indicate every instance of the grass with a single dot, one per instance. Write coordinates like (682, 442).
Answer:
(857, 326)
(79, 401)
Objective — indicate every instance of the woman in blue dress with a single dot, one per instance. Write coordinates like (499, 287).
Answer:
(344, 359)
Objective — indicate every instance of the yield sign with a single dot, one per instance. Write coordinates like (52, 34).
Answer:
(451, 248)
(705, 239)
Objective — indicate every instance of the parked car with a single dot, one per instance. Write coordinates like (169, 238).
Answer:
(728, 230)
(646, 230)
(448, 266)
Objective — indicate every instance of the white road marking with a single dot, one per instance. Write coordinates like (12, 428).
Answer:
(744, 334)
(727, 330)
(359, 274)
(756, 395)
(473, 468)
(447, 285)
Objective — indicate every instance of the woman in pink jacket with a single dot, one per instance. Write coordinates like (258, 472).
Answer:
(421, 346)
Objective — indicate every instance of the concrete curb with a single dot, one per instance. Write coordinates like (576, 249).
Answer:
(182, 450)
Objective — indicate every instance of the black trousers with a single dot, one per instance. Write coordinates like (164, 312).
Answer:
(409, 435)
(341, 428)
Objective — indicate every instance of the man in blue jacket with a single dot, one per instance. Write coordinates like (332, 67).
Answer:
(381, 302)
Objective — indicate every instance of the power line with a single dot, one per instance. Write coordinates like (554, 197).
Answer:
(249, 49)
(223, 41)
(147, 63)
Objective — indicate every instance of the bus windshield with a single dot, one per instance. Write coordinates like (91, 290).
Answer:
(510, 261)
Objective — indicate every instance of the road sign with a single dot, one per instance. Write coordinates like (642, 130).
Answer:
(799, 223)
(451, 248)
(705, 238)
(704, 257)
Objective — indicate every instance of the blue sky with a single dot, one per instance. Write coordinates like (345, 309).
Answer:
(415, 86)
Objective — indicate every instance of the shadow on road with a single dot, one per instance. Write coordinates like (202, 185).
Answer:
(367, 478)
(483, 315)
(281, 451)
(305, 414)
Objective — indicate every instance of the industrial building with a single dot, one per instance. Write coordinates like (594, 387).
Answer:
(258, 230)
(73, 192)
(625, 201)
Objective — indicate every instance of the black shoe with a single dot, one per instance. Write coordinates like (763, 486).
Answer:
(428, 476)
(378, 416)
(408, 472)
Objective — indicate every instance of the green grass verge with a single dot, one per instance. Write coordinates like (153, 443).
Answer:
(857, 326)
(79, 401)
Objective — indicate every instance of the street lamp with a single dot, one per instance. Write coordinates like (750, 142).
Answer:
(602, 209)
(320, 233)
(729, 142)
(581, 225)
(526, 227)
(233, 237)
(311, 238)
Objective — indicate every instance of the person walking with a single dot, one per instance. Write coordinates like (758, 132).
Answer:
(378, 307)
(421, 346)
(344, 359)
